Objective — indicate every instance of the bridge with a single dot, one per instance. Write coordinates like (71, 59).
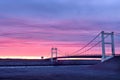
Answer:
(82, 56)
(103, 40)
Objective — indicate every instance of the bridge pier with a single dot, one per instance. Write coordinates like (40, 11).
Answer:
(111, 43)
(53, 55)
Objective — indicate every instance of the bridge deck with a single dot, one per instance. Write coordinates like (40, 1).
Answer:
(97, 56)
(81, 56)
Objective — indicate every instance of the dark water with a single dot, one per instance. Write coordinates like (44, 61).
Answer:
(82, 72)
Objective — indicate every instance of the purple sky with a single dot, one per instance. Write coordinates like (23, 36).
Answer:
(60, 22)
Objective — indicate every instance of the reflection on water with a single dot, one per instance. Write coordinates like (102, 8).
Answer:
(43, 66)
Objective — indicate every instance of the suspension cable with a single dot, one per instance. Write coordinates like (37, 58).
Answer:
(92, 46)
(87, 43)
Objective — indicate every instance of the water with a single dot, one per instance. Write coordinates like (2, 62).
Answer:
(43, 66)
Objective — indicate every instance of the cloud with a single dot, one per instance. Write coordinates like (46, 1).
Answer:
(57, 31)
(60, 30)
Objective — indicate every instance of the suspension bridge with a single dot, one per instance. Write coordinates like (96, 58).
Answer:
(104, 45)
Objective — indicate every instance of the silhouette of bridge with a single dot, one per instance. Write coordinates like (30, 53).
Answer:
(104, 45)
(103, 40)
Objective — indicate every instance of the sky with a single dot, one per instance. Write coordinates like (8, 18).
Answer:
(29, 28)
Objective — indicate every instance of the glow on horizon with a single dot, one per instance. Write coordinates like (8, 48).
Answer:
(80, 59)
(21, 57)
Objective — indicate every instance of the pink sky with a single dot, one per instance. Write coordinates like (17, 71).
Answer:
(30, 28)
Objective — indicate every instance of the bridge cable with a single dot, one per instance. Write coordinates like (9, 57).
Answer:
(92, 46)
(87, 43)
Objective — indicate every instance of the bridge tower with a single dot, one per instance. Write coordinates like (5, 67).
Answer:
(53, 55)
(104, 43)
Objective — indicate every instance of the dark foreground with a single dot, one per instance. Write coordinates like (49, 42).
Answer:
(57, 73)
(109, 70)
